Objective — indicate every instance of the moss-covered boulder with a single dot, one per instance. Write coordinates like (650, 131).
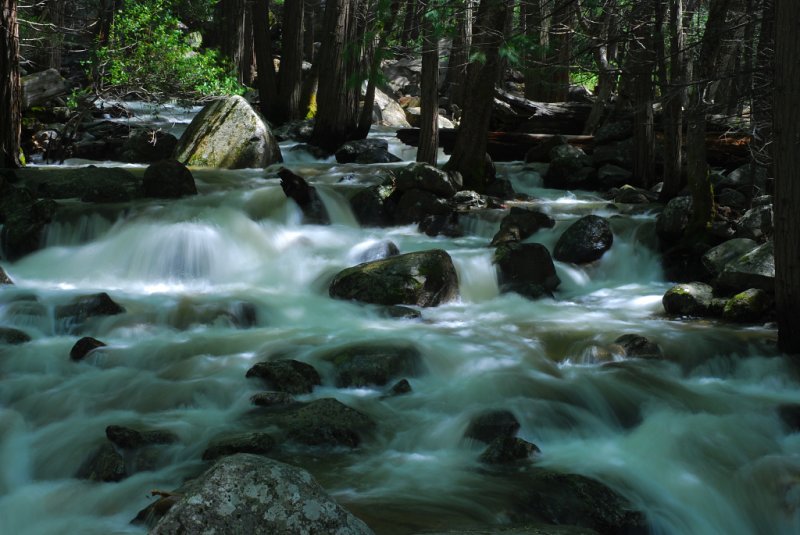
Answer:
(425, 278)
(748, 306)
(586, 240)
(526, 268)
(228, 133)
(374, 364)
(689, 299)
(754, 269)
(291, 376)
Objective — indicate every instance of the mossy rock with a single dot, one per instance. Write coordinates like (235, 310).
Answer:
(291, 376)
(374, 364)
(586, 240)
(748, 306)
(690, 299)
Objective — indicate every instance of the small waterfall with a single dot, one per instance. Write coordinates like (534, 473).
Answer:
(477, 276)
(88, 227)
(337, 205)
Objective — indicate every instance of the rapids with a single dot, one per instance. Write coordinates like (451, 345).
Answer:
(694, 440)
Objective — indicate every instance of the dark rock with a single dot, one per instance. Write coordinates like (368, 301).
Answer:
(745, 179)
(148, 146)
(569, 167)
(520, 224)
(610, 176)
(401, 312)
(586, 240)
(756, 223)
(23, 219)
(272, 399)
(326, 422)
(492, 424)
(295, 130)
(790, 416)
(368, 205)
(168, 179)
(251, 494)
(296, 188)
(104, 464)
(350, 151)
(12, 336)
(4, 278)
(526, 268)
(748, 306)
(619, 153)
(373, 364)
(508, 450)
(690, 299)
(466, 200)
(754, 269)
(377, 251)
(83, 346)
(90, 184)
(628, 194)
(611, 132)
(400, 388)
(88, 306)
(425, 177)
(501, 189)
(243, 314)
(376, 155)
(718, 257)
(291, 376)
(441, 225)
(637, 346)
(131, 439)
(674, 219)
(317, 152)
(415, 205)
(541, 152)
(732, 198)
(425, 278)
(255, 443)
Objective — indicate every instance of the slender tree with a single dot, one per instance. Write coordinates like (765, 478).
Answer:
(267, 83)
(459, 55)
(10, 107)
(673, 90)
(290, 76)
(429, 115)
(787, 167)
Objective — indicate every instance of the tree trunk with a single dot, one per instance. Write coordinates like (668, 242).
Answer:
(232, 37)
(763, 83)
(787, 164)
(535, 58)
(559, 58)
(640, 64)
(459, 57)
(10, 113)
(469, 153)
(673, 90)
(289, 85)
(337, 96)
(410, 20)
(603, 54)
(247, 65)
(267, 86)
(429, 115)
(310, 19)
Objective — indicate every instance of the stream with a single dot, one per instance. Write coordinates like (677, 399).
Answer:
(693, 440)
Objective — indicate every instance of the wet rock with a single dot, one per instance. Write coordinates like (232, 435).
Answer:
(541, 152)
(415, 205)
(373, 364)
(372, 156)
(5, 280)
(368, 205)
(689, 299)
(326, 422)
(255, 443)
(90, 184)
(756, 223)
(295, 130)
(131, 439)
(250, 494)
(272, 399)
(316, 152)
(526, 268)
(575, 500)
(790, 416)
(492, 424)
(376, 251)
(748, 306)
(672, 222)
(400, 388)
(754, 269)
(352, 150)
(586, 240)
(400, 312)
(425, 177)
(168, 179)
(466, 200)
(508, 450)
(716, 258)
(637, 346)
(88, 306)
(296, 188)
(83, 347)
(610, 176)
(228, 134)
(425, 278)
(11, 336)
(569, 167)
(442, 225)
(628, 194)
(104, 464)
(520, 224)
(24, 219)
(188, 313)
(147, 146)
(291, 376)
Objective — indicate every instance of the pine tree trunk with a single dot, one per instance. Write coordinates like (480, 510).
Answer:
(459, 56)
(410, 20)
(429, 114)
(267, 86)
(603, 54)
(337, 96)
(309, 33)
(560, 56)
(536, 31)
(232, 37)
(289, 85)
(10, 112)
(469, 152)
(787, 164)
(674, 93)
(763, 83)
(247, 65)
(640, 63)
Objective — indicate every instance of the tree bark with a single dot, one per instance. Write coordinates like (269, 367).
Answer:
(459, 57)
(309, 32)
(429, 114)
(673, 89)
(410, 20)
(535, 58)
(763, 82)
(603, 52)
(640, 65)
(267, 86)
(10, 112)
(232, 36)
(289, 85)
(559, 58)
(787, 164)
(469, 153)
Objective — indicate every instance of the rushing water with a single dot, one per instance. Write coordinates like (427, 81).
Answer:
(694, 440)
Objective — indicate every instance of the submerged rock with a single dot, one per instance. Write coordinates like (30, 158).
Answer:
(326, 422)
(250, 494)
(748, 306)
(84, 346)
(586, 240)
(637, 346)
(291, 376)
(373, 364)
(130, 439)
(88, 306)
(492, 424)
(104, 464)
(527, 269)
(425, 278)
(229, 134)
(400, 388)
(508, 450)
(255, 443)
(13, 336)
(689, 299)
(168, 179)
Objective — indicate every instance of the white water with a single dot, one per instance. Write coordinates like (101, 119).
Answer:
(694, 440)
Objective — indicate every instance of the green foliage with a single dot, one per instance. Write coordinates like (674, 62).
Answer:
(148, 52)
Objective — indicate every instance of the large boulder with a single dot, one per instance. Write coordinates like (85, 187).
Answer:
(526, 268)
(754, 269)
(671, 223)
(373, 364)
(716, 258)
(291, 376)
(586, 240)
(228, 133)
(428, 178)
(296, 188)
(748, 306)
(425, 278)
(521, 223)
(168, 179)
(690, 299)
(387, 112)
(369, 207)
(414, 205)
(250, 494)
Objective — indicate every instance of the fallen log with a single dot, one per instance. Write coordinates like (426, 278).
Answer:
(39, 87)
(513, 113)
